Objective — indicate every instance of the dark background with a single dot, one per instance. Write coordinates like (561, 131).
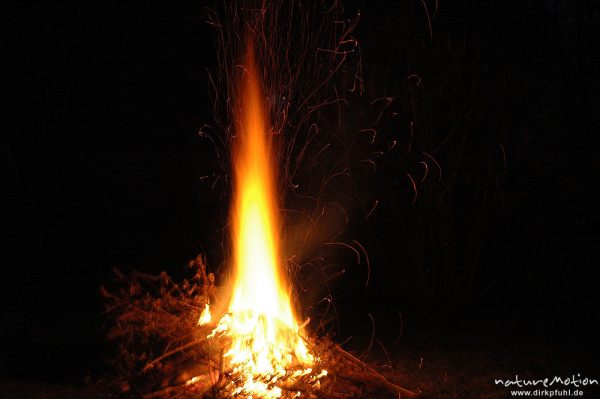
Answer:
(102, 167)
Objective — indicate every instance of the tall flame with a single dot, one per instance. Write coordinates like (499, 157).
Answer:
(266, 346)
(258, 283)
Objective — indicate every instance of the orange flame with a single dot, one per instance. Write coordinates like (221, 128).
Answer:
(266, 345)
(258, 284)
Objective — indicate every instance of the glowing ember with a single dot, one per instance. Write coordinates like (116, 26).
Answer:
(267, 351)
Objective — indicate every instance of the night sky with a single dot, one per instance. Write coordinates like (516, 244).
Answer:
(103, 167)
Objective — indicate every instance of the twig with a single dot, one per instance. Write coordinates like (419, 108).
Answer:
(173, 352)
(379, 381)
(382, 381)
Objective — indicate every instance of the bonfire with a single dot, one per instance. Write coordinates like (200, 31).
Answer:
(245, 339)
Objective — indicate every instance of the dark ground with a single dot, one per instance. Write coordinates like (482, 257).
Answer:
(102, 103)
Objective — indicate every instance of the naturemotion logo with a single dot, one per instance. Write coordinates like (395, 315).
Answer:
(573, 381)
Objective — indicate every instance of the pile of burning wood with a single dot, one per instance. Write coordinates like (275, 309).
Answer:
(162, 351)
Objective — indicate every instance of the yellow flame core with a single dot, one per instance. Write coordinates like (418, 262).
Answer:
(266, 345)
